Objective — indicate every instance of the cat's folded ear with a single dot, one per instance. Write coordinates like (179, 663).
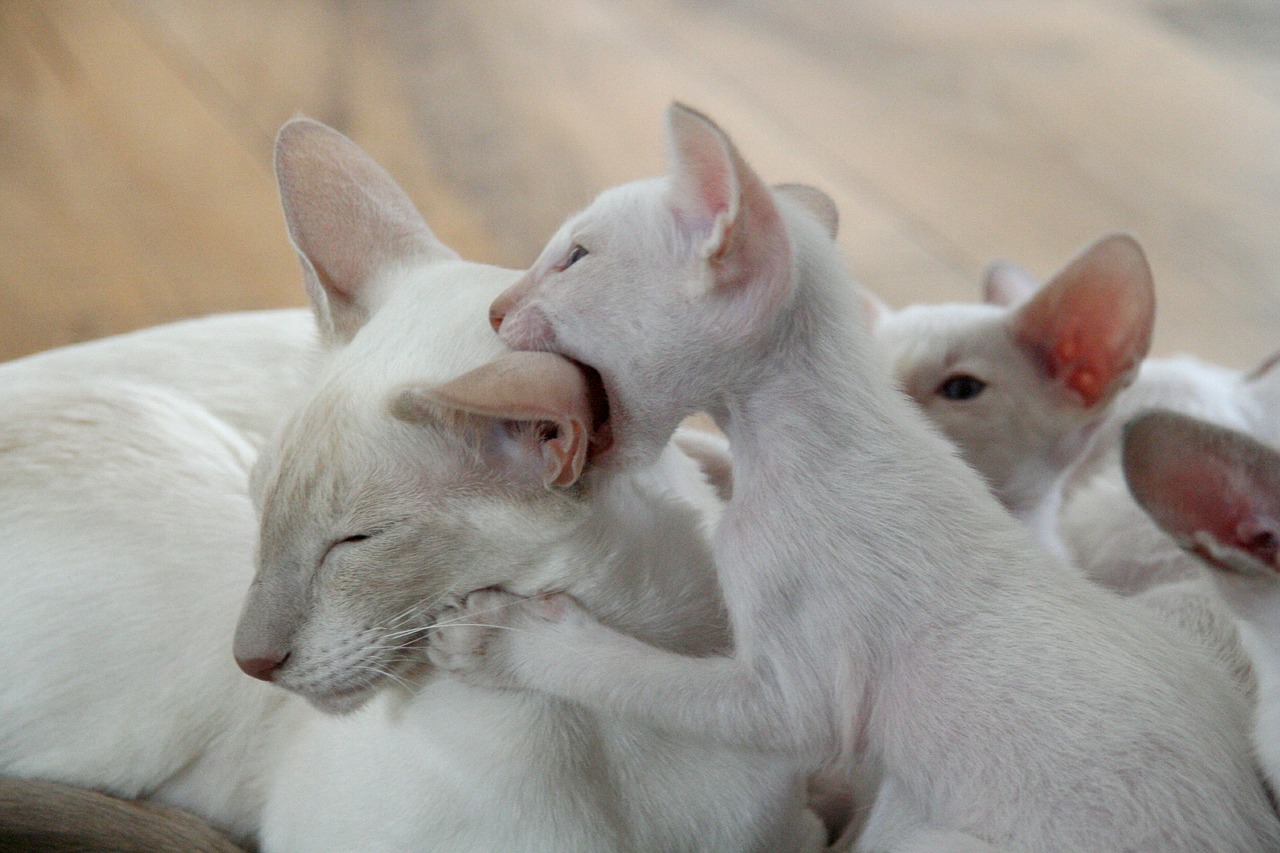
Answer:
(542, 403)
(728, 213)
(1215, 490)
(348, 221)
(1089, 327)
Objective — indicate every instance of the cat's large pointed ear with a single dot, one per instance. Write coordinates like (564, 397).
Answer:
(1215, 490)
(545, 398)
(727, 210)
(1089, 327)
(1006, 284)
(348, 220)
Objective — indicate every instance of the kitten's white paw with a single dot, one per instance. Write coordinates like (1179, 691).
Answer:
(471, 639)
(478, 640)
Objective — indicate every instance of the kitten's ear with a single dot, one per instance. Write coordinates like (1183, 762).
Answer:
(1006, 284)
(1215, 490)
(544, 397)
(814, 200)
(347, 219)
(728, 211)
(1089, 327)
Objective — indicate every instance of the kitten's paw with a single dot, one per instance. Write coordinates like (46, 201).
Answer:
(471, 639)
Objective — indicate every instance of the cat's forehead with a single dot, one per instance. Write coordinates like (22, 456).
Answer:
(624, 209)
(433, 327)
(939, 333)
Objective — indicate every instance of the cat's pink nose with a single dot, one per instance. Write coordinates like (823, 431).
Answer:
(495, 318)
(263, 668)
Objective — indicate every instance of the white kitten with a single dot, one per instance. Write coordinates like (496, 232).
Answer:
(1021, 382)
(867, 572)
(1216, 491)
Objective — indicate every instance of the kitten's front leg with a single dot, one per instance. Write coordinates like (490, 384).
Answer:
(551, 644)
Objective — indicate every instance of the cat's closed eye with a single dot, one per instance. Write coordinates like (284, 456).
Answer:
(962, 386)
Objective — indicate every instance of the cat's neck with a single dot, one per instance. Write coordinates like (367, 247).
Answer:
(840, 482)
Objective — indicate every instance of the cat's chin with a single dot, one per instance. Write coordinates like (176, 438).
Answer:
(347, 700)
(342, 702)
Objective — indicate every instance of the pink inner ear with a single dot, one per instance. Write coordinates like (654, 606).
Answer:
(704, 190)
(1090, 326)
(1197, 478)
(532, 387)
(1194, 496)
(713, 188)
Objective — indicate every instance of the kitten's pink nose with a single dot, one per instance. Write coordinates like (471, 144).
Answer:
(263, 668)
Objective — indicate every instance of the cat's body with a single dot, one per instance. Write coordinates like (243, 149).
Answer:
(868, 574)
(127, 547)
(129, 533)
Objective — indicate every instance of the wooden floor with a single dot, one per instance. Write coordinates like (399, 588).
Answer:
(135, 138)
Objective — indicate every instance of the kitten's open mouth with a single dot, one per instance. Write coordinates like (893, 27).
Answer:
(601, 422)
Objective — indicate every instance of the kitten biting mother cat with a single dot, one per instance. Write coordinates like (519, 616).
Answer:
(885, 608)
(129, 537)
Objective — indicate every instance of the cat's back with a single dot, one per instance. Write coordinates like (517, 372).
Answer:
(1095, 692)
(126, 545)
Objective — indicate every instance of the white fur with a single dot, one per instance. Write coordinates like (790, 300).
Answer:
(884, 607)
(127, 546)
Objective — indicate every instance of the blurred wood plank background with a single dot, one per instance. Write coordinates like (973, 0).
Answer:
(135, 138)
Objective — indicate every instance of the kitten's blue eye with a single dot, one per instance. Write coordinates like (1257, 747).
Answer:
(577, 253)
(962, 386)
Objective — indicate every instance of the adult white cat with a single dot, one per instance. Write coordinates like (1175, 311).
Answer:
(128, 547)
(1216, 491)
(884, 606)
